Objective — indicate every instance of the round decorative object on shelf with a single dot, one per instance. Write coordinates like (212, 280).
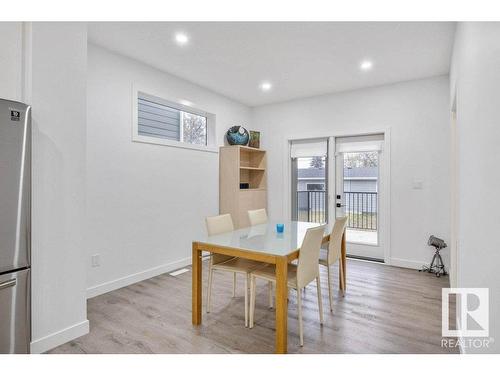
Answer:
(237, 135)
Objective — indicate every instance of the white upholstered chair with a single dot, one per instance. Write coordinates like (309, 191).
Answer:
(332, 253)
(299, 276)
(257, 217)
(218, 225)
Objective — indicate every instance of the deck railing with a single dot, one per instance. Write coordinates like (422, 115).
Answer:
(311, 206)
(360, 207)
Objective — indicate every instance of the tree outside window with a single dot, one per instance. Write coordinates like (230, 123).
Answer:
(360, 159)
(317, 162)
(194, 128)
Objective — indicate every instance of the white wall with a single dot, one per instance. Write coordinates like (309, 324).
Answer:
(58, 96)
(417, 115)
(475, 77)
(46, 67)
(145, 202)
(11, 40)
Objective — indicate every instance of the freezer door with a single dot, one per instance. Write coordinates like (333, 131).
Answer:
(15, 323)
(15, 185)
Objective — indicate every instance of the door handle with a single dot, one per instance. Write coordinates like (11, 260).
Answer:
(8, 284)
(340, 205)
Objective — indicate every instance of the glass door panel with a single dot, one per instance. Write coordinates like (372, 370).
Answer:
(310, 189)
(360, 185)
(357, 182)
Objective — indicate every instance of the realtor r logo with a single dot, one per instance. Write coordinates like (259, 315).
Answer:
(472, 304)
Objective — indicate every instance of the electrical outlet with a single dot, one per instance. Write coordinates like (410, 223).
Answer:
(96, 260)
(418, 184)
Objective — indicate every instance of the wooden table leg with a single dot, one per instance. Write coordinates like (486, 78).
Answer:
(281, 305)
(343, 265)
(197, 285)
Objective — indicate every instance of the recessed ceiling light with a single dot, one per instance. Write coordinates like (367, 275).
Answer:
(181, 39)
(266, 86)
(366, 65)
(186, 103)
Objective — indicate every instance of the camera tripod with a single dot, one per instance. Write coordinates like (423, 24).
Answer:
(436, 266)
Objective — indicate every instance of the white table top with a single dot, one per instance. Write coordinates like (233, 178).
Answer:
(264, 238)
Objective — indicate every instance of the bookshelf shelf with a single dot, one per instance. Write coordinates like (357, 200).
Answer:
(242, 165)
(253, 168)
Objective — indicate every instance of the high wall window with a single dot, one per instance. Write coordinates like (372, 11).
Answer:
(168, 123)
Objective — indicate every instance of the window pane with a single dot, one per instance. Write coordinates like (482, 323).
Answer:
(162, 121)
(194, 128)
(311, 198)
(361, 196)
(157, 120)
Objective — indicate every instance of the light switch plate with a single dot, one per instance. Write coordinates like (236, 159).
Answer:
(418, 184)
(96, 260)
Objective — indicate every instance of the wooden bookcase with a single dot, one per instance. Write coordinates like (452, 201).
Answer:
(242, 165)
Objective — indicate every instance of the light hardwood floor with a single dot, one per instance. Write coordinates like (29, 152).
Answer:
(385, 310)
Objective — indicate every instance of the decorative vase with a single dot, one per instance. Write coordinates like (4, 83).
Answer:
(237, 135)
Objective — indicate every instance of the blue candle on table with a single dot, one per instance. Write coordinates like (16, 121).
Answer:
(280, 228)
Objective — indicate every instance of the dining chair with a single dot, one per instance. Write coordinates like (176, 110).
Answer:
(332, 254)
(218, 225)
(257, 217)
(299, 276)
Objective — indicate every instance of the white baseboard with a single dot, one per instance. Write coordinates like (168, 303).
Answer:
(406, 263)
(58, 338)
(136, 277)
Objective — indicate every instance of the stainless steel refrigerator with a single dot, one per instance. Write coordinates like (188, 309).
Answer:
(15, 225)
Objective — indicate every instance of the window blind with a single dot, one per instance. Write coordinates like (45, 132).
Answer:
(304, 148)
(366, 143)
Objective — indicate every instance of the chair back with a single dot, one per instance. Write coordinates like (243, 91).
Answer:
(257, 217)
(335, 243)
(308, 266)
(217, 225)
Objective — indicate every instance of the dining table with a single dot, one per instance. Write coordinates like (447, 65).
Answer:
(264, 244)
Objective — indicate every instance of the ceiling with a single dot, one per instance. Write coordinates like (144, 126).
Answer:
(300, 59)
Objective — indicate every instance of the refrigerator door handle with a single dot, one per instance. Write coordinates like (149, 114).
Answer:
(8, 284)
